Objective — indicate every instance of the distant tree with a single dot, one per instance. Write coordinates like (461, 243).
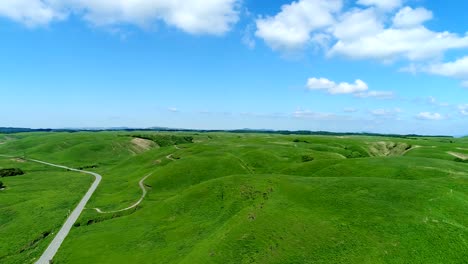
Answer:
(1, 185)
(307, 158)
(165, 140)
(10, 172)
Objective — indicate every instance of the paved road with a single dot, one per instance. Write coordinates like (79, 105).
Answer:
(142, 186)
(52, 249)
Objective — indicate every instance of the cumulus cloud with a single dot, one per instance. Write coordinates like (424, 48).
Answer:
(32, 13)
(292, 27)
(429, 116)
(359, 88)
(363, 32)
(407, 39)
(409, 17)
(457, 69)
(336, 88)
(192, 16)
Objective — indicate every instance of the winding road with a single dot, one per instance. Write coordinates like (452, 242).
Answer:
(53, 247)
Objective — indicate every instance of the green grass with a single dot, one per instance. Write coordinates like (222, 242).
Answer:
(247, 198)
(33, 206)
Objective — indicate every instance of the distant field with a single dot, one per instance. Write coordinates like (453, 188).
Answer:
(238, 198)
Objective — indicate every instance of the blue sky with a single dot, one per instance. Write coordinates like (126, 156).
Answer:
(387, 66)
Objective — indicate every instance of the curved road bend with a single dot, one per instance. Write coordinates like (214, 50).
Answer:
(53, 247)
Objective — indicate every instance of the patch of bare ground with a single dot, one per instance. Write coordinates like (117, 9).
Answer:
(170, 157)
(388, 148)
(140, 145)
(5, 140)
(18, 160)
(410, 149)
(458, 155)
(283, 143)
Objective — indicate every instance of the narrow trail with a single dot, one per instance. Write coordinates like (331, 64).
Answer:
(410, 149)
(142, 186)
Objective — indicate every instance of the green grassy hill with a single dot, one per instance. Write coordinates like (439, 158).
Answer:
(240, 198)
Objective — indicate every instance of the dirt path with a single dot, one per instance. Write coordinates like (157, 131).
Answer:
(408, 150)
(142, 186)
(458, 155)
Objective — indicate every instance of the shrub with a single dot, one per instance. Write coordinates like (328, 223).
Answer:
(461, 160)
(166, 140)
(307, 158)
(1, 185)
(10, 172)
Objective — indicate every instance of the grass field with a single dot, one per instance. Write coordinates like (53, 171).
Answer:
(239, 198)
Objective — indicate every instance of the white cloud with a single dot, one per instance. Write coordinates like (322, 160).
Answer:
(173, 109)
(356, 24)
(456, 69)
(463, 109)
(408, 40)
(360, 32)
(359, 88)
(429, 116)
(382, 4)
(32, 13)
(409, 17)
(464, 84)
(333, 88)
(292, 27)
(192, 16)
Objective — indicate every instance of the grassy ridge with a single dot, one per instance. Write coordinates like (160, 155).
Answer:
(253, 198)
